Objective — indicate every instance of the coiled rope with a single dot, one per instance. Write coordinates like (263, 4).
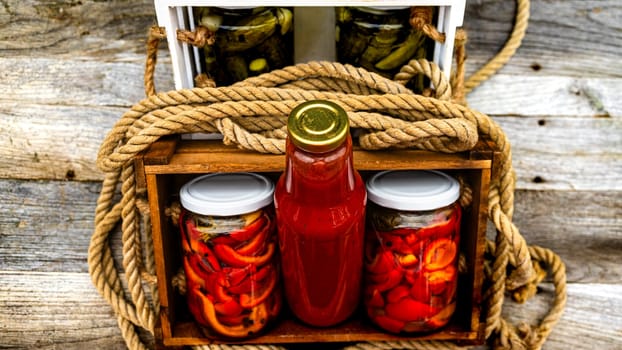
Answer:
(252, 115)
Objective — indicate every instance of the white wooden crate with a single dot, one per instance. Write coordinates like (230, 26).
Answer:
(177, 14)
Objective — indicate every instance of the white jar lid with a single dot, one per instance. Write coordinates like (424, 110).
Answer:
(413, 189)
(226, 194)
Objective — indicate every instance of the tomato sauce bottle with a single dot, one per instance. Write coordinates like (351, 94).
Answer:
(411, 255)
(320, 208)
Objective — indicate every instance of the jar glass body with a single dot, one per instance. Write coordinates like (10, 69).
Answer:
(380, 40)
(232, 272)
(411, 267)
(249, 41)
(320, 205)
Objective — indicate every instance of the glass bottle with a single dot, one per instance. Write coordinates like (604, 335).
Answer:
(320, 208)
(230, 254)
(412, 245)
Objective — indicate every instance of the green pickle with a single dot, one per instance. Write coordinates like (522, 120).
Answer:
(381, 40)
(249, 41)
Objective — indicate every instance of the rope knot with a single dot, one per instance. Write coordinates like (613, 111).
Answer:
(200, 37)
(204, 81)
(421, 19)
(157, 32)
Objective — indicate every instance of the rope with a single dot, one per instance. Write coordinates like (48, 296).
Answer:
(251, 114)
(509, 49)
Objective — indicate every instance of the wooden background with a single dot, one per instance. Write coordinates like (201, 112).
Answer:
(69, 69)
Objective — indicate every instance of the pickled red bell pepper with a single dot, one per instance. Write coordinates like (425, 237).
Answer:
(275, 302)
(195, 302)
(257, 297)
(395, 243)
(247, 232)
(441, 318)
(388, 323)
(228, 308)
(383, 262)
(408, 310)
(221, 294)
(407, 260)
(256, 319)
(439, 254)
(438, 280)
(389, 280)
(398, 293)
(233, 320)
(198, 272)
(257, 243)
(229, 256)
(236, 275)
(252, 282)
(374, 298)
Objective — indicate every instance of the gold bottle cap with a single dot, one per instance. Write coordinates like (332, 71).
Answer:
(318, 126)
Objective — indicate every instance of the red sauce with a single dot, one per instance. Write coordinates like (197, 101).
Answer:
(320, 205)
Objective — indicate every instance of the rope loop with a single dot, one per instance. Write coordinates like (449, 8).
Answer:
(429, 69)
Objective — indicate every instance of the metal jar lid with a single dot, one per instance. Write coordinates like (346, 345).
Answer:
(413, 189)
(318, 126)
(226, 194)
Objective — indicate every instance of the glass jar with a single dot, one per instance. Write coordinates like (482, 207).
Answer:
(320, 208)
(229, 253)
(380, 39)
(412, 244)
(249, 41)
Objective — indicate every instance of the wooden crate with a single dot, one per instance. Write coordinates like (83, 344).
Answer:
(168, 164)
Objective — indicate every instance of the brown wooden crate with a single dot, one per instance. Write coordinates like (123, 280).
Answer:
(168, 164)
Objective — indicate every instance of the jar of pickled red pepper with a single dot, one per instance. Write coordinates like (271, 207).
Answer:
(412, 245)
(230, 253)
(320, 208)
(249, 41)
(381, 40)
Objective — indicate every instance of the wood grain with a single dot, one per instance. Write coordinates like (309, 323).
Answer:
(46, 227)
(591, 319)
(564, 38)
(69, 69)
(55, 310)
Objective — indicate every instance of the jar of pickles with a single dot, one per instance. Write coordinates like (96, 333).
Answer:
(380, 39)
(249, 41)
(412, 245)
(229, 253)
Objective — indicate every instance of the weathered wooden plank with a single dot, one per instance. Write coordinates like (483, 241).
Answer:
(583, 227)
(566, 153)
(61, 142)
(46, 227)
(92, 28)
(565, 38)
(591, 319)
(55, 310)
(54, 142)
(96, 83)
(576, 38)
(37, 310)
(541, 96)
(45, 80)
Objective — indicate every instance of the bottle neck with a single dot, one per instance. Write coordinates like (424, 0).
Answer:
(320, 177)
